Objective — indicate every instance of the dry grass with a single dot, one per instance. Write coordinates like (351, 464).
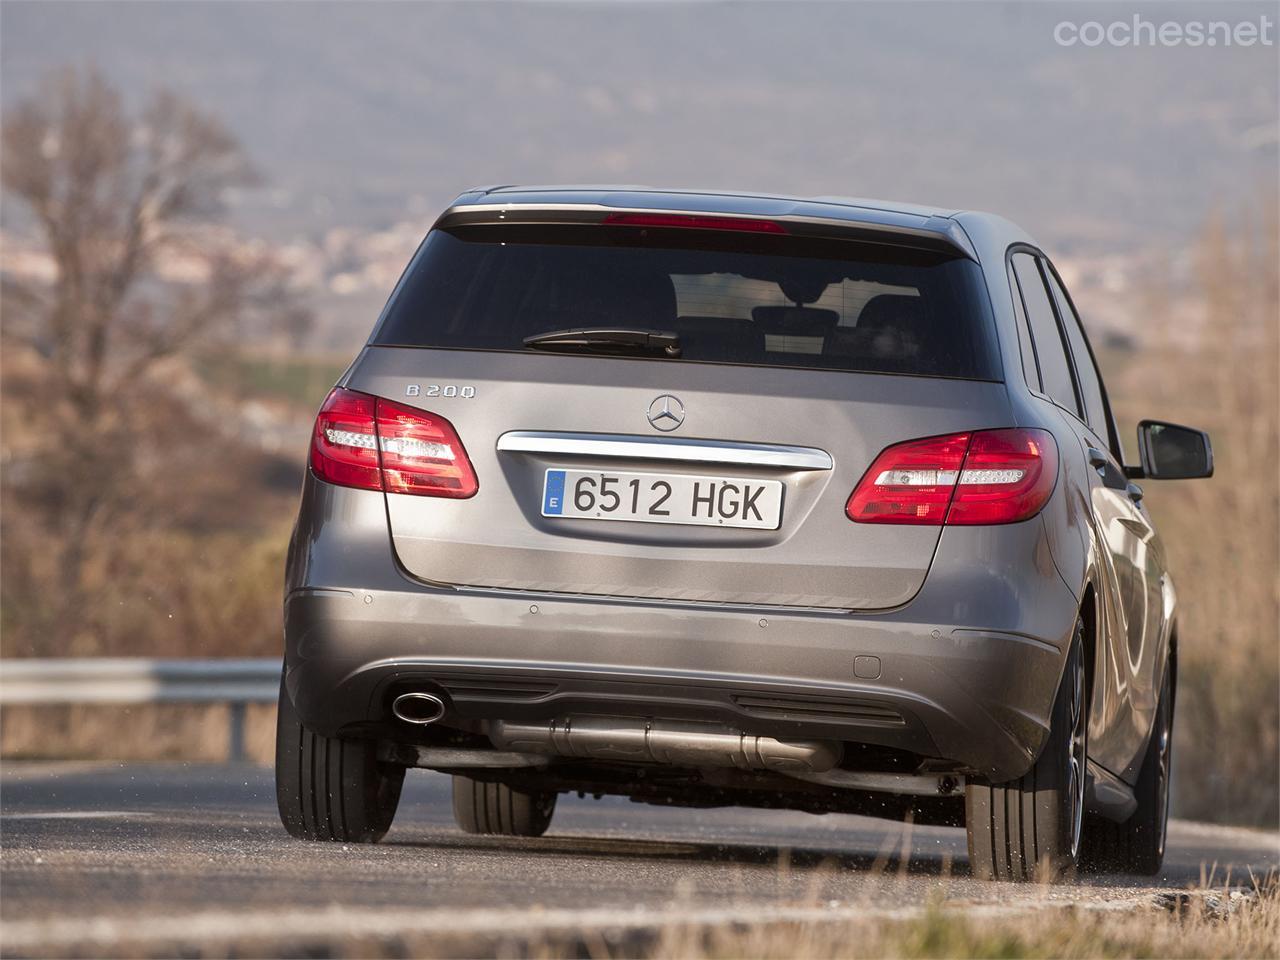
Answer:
(1207, 926)
(1205, 923)
(152, 593)
(1208, 923)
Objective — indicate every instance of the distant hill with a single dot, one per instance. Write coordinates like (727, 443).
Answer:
(363, 114)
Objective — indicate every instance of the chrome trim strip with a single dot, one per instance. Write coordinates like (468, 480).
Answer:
(623, 446)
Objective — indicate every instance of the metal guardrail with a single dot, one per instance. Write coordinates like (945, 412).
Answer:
(135, 680)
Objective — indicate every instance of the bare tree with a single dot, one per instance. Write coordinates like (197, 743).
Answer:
(127, 207)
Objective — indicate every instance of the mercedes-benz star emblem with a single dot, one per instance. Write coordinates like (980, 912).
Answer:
(666, 413)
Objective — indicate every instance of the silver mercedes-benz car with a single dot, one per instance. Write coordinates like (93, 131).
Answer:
(717, 499)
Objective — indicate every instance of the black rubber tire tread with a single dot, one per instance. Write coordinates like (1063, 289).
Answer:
(331, 789)
(1134, 845)
(1019, 830)
(495, 808)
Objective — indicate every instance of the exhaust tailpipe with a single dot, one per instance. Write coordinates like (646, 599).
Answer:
(418, 708)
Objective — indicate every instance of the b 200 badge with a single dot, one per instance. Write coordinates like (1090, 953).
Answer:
(449, 390)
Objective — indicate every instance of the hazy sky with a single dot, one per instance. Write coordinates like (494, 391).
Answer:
(368, 113)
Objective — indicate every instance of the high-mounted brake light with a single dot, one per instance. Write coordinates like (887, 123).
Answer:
(694, 222)
(984, 477)
(375, 444)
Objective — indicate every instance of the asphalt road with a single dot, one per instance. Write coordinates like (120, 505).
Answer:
(166, 858)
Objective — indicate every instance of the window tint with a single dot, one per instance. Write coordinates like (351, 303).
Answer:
(784, 301)
(1029, 369)
(1054, 369)
(1095, 407)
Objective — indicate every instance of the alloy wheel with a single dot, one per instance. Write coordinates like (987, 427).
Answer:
(1163, 757)
(1076, 772)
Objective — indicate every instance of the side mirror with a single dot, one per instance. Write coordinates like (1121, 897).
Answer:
(1172, 452)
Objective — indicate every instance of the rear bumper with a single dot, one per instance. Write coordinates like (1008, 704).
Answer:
(966, 672)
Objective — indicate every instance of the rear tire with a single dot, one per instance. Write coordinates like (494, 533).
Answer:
(1137, 845)
(1030, 828)
(331, 789)
(495, 808)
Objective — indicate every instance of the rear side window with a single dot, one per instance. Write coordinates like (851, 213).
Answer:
(770, 301)
(1029, 369)
(1095, 407)
(1055, 370)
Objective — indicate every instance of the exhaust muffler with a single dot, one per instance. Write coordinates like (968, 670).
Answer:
(418, 708)
(673, 742)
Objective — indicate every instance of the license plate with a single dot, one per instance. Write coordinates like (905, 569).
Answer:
(662, 498)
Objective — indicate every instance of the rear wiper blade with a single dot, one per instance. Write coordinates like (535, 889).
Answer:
(608, 340)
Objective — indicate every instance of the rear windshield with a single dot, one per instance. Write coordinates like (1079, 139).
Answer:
(731, 298)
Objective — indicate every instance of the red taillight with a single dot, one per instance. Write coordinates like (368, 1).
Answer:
(694, 222)
(374, 444)
(910, 482)
(344, 446)
(1007, 476)
(984, 477)
(422, 454)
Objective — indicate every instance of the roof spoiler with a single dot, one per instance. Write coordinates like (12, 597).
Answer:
(937, 234)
